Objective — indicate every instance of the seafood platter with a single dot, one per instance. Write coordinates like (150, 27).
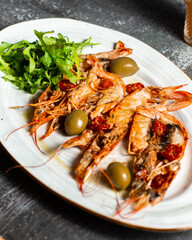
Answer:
(101, 119)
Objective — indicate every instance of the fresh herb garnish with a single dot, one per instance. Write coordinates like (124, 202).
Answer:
(36, 65)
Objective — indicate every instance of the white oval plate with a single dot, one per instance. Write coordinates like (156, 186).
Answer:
(175, 211)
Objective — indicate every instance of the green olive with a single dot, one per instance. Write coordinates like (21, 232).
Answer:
(76, 122)
(119, 174)
(123, 66)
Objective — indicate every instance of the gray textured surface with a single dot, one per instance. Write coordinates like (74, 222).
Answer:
(27, 210)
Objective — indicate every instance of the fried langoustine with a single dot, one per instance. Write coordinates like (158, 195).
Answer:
(96, 93)
(105, 132)
(159, 140)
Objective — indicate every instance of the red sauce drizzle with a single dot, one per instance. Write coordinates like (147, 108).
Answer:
(130, 88)
(105, 83)
(159, 180)
(172, 152)
(158, 128)
(99, 123)
(66, 85)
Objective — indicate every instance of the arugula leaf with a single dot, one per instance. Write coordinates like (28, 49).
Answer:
(36, 65)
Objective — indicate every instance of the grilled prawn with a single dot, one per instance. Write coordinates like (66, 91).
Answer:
(101, 90)
(97, 94)
(114, 127)
(104, 57)
(159, 140)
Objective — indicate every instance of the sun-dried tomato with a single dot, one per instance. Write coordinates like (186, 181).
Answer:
(99, 123)
(66, 85)
(172, 152)
(158, 128)
(159, 180)
(130, 88)
(105, 83)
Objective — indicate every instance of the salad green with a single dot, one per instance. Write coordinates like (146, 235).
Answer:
(36, 65)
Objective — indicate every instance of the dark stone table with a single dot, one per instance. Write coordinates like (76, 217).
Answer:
(27, 210)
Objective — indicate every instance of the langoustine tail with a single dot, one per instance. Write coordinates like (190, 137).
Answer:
(100, 147)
